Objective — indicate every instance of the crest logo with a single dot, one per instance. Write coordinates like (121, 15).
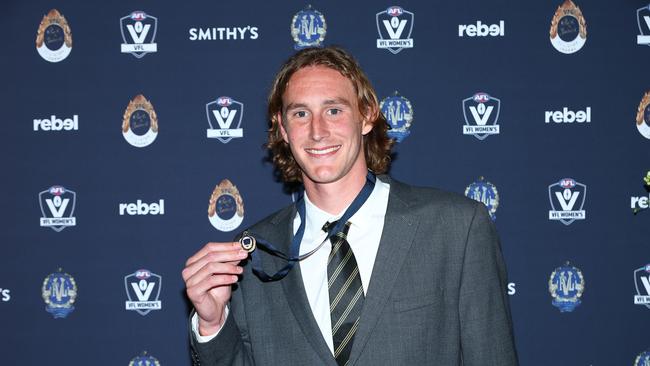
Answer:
(395, 26)
(565, 196)
(643, 359)
(642, 284)
(643, 20)
(566, 286)
(643, 116)
(484, 111)
(308, 28)
(59, 292)
(143, 291)
(226, 208)
(139, 33)
(54, 38)
(486, 193)
(398, 112)
(144, 360)
(57, 207)
(221, 113)
(568, 28)
(140, 122)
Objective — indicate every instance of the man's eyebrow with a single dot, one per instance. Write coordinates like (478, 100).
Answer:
(343, 101)
(294, 106)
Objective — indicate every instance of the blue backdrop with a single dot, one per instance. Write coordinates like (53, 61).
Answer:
(107, 192)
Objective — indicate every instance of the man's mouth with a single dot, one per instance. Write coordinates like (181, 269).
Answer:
(323, 151)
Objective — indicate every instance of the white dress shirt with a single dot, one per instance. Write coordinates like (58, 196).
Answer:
(364, 235)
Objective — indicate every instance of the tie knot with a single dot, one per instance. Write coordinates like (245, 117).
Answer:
(343, 233)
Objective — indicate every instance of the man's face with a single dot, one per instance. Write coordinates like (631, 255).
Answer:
(322, 124)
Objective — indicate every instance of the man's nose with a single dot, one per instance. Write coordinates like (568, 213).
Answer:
(319, 128)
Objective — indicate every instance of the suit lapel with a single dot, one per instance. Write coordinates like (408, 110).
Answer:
(397, 236)
(296, 296)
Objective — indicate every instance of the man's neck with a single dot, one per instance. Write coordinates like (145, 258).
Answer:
(334, 197)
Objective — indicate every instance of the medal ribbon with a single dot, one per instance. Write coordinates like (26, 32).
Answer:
(294, 250)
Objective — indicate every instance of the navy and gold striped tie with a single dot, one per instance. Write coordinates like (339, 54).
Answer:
(346, 294)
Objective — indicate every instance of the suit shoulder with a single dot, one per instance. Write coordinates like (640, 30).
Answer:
(271, 222)
(433, 198)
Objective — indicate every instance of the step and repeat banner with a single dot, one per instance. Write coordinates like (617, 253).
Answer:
(133, 134)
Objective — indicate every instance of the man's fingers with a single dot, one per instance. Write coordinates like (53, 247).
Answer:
(233, 256)
(212, 247)
(212, 269)
(202, 287)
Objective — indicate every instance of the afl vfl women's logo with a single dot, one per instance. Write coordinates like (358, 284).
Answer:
(140, 122)
(643, 359)
(481, 112)
(395, 26)
(399, 115)
(54, 38)
(138, 33)
(642, 284)
(59, 292)
(308, 28)
(57, 207)
(143, 290)
(567, 201)
(566, 286)
(568, 28)
(226, 208)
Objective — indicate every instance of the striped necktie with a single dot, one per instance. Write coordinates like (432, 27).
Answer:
(346, 294)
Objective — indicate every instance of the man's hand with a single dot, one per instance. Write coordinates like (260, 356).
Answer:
(208, 275)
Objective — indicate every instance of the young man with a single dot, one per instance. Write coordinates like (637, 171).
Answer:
(415, 276)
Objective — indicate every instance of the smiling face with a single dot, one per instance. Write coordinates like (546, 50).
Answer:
(323, 126)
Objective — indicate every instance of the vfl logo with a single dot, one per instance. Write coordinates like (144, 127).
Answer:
(308, 28)
(59, 292)
(486, 193)
(221, 114)
(57, 207)
(140, 285)
(141, 28)
(54, 38)
(568, 28)
(391, 25)
(642, 284)
(226, 207)
(565, 195)
(144, 360)
(566, 286)
(398, 112)
(643, 20)
(484, 112)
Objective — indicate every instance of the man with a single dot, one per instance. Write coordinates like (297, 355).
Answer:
(424, 278)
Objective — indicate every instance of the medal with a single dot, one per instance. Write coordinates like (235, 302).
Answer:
(248, 242)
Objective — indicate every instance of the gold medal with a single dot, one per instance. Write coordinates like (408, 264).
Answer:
(247, 242)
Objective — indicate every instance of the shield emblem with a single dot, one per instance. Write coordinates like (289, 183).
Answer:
(567, 195)
(139, 30)
(643, 20)
(393, 24)
(481, 109)
(642, 283)
(224, 117)
(143, 286)
(57, 207)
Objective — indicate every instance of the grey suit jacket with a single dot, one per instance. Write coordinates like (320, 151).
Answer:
(437, 294)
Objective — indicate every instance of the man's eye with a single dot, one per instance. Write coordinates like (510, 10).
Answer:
(333, 111)
(300, 114)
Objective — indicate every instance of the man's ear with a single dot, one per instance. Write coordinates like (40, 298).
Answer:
(369, 117)
(278, 117)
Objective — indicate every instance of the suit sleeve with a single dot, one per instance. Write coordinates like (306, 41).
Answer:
(229, 347)
(485, 322)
